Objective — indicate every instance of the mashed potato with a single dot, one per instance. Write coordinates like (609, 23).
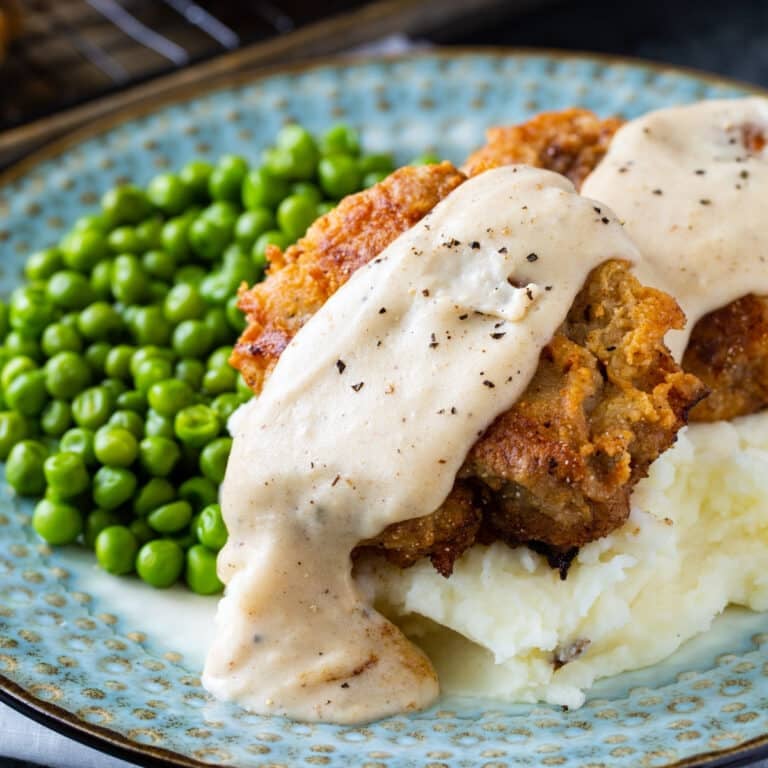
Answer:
(505, 625)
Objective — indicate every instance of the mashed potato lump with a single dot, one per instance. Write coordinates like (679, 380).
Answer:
(504, 625)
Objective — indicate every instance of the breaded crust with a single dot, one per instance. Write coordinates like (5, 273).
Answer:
(728, 348)
(337, 244)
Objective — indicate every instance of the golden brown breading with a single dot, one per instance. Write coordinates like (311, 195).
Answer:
(337, 244)
(558, 467)
(571, 142)
(728, 349)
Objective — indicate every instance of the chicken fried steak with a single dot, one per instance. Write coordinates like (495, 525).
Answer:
(728, 348)
(557, 469)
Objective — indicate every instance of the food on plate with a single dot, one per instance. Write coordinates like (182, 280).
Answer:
(114, 370)
(373, 406)
(728, 347)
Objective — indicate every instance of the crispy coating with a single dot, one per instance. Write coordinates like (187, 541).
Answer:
(558, 468)
(571, 142)
(728, 348)
(337, 244)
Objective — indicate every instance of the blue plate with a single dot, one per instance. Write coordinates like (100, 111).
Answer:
(72, 659)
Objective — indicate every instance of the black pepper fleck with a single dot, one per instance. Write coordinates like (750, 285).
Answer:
(605, 220)
(699, 171)
(382, 310)
(500, 335)
(531, 257)
(453, 410)
(425, 292)
(341, 365)
(433, 341)
(345, 685)
(744, 174)
(596, 209)
(503, 249)
(463, 317)
(657, 192)
(357, 387)
(529, 294)
(474, 245)
(488, 384)
(705, 201)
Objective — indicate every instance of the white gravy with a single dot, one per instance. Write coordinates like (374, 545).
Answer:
(366, 421)
(693, 200)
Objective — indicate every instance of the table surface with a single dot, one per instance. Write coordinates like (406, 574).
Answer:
(696, 34)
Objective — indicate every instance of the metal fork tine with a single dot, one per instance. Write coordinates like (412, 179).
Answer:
(207, 22)
(140, 32)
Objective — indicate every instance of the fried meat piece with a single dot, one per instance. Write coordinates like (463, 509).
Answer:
(558, 468)
(728, 348)
(571, 142)
(337, 244)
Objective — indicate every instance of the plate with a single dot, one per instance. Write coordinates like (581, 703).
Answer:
(73, 656)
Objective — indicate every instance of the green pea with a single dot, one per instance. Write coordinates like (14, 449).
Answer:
(13, 429)
(263, 190)
(199, 492)
(79, 441)
(196, 425)
(160, 563)
(294, 214)
(170, 518)
(339, 175)
(18, 344)
(213, 459)
(307, 189)
(91, 221)
(128, 420)
(96, 357)
(190, 371)
(209, 238)
(175, 238)
(158, 425)
(428, 158)
(253, 223)
(27, 392)
(376, 163)
(370, 179)
(82, 250)
(101, 280)
(237, 268)
(5, 319)
(273, 237)
(151, 371)
(154, 494)
(192, 338)
(56, 522)
(113, 486)
(219, 358)
(196, 175)
(187, 537)
(215, 288)
(68, 289)
(118, 362)
(158, 455)
(56, 418)
(295, 155)
(225, 405)
(133, 401)
(159, 264)
(61, 337)
(183, 302)
(66, 475)
(149, 327)
(226, 179)
(168, 397)
(66, 374)
(340, 139)
(201, 571)
(15, 366)
(91, 409)
(243, 389)
(100, 321)
(125, 204)
(141, 530)
(129, 282)
(24, 468)
(169, 193)
(148, 352)
(115, 446)
(42, 264)
(210, 529)
(149, 233)
(158, 290)
(219, 380)
(124, 240)
(115, 387)
(235, 316)
(30, 311)
(116, 549)
(191, 274)
(96, 522)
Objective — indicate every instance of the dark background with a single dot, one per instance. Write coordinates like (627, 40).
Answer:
(729, 37)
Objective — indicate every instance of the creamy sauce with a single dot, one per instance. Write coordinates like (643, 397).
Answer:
(366, 421)
(692, 197)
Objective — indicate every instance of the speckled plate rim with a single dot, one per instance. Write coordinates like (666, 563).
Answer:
(105, 740)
